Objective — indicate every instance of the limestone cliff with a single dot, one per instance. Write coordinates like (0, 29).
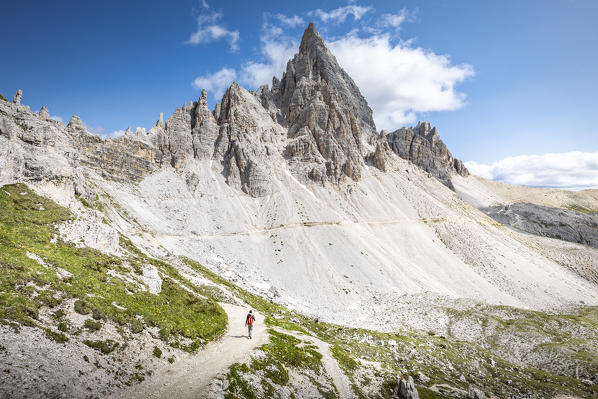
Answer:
(422, 146)
(314, 121)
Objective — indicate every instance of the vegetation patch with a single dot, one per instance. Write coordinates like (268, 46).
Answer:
(277, 358)
(157, 352)
(27, 226)
(105, 347)
(56, 336)
(92, 325)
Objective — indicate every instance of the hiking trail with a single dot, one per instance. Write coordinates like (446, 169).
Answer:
(189, 377)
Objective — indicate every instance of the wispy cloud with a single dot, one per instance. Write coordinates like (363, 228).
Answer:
(567, 170)
(57, 118)
(290, 21)
(216, 83)
(404, 80)
(209, 30)
(340, 14)
(395, 20)
(276, 49)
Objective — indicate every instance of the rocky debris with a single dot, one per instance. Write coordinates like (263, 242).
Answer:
(18, 96)
(44, 114)
(422, 146)
(562, 224)
(424, 379)
(63, 274)
(407, 389)
(475, 393)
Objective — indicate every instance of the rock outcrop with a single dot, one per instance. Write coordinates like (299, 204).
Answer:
(407, 389)
(475, 393)
(422, 146)
(18, 96)
(76, 125)
(44, 114)
(246, 142)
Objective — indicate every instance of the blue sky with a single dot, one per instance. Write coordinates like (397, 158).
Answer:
(499, 79)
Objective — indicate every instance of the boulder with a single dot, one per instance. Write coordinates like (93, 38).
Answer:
(475, 393)
(407, 389)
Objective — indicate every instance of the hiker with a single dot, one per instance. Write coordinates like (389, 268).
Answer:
(249, 320)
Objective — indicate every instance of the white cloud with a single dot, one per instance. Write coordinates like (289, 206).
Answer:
(403, 80)
(394, 20)
(276, 54)
(291, 22)
(276, 50)
(57, 118)
(567, 170)
(217, 82)
(340, 14)
(209, 31)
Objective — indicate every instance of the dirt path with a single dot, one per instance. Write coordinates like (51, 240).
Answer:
(189, 377)
(341, 381)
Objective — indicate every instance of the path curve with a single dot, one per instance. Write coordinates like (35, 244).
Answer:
(190, 376)
(340, 380)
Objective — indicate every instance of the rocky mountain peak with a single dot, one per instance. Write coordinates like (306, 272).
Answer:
(328, 119)
(311, 40)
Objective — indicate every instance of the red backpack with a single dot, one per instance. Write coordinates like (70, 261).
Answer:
(249, 319)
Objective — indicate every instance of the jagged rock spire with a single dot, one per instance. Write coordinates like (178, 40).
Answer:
(311, 39)
(160, 121)
(44, 114)
(18, 96)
